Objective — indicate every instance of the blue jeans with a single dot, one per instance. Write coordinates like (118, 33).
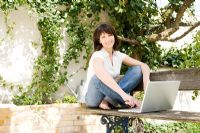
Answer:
(97, 90)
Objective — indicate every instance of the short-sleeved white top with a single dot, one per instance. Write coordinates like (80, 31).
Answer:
(113, 68)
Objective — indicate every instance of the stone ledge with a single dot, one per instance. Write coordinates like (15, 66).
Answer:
(51, 118)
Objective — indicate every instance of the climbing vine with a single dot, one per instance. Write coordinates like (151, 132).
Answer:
(185, 57)
(49, 74)
(78, 18)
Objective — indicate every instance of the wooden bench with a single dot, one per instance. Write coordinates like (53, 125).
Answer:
(190, 80)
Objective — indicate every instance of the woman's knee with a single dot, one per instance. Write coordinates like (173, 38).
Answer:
(93, 96)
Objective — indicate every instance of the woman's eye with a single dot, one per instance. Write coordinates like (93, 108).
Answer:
(110, 35)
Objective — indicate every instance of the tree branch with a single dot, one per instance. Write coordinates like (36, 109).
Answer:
(166, 33)
(163, 35)
(167, 16)
(184, 34)
(131, 41)
(181, 11)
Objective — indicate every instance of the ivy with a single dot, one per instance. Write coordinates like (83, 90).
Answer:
(45, 75)
(10, 86)
(67, 99)
(49, 74)
(186, 57)
(131, 18)
(173, 127)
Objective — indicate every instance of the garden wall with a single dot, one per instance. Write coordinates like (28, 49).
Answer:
(53, 118)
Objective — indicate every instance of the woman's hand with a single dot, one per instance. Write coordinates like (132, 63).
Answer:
(129, 100)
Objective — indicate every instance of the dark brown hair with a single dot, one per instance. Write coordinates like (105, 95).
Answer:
(104, 28)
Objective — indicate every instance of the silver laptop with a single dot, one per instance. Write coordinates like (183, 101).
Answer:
(159, 95)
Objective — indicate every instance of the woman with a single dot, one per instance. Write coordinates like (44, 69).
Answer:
(104, 65)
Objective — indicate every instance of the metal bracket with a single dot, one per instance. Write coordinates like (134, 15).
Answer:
(112, 122)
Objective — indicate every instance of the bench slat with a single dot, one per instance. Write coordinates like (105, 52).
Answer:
(190, 78)
(183, 116)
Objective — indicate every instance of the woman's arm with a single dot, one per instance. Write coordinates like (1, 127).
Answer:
(145, 69)
(103, 75)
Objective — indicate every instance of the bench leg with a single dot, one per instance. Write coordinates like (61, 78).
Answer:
(112, 122)
(115, 121)
(137, 125)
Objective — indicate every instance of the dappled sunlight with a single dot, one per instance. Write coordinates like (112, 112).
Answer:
(184, 102)
(90, 120)
(16, 67)
(16, 50)
(186, 18)
(188, 39)
(55, 118)
(76, 74)
(37, 119)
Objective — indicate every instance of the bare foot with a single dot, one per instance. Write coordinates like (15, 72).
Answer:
(104, 105)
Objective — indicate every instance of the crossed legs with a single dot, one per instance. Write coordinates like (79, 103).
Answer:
(97, 90)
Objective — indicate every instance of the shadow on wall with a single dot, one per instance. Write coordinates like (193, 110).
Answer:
(52, 118)
(21, 46)
(5, 96)
(17, 53)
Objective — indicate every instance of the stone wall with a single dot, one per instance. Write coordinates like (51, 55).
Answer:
(53, 118)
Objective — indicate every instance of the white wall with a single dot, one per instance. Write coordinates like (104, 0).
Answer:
(184, 102)
(17, 53)
(17, 57)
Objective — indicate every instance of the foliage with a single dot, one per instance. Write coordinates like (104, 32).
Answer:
(152, 55)
(186, 57)
(131, 18)
(139, 95)
(67, 99)
(148, 52)
(175, 127)
(10, 86)
(195, 94)
(170, 127)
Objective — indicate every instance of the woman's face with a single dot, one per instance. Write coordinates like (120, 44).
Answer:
(107, 40)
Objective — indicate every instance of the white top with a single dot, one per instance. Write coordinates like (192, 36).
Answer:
(112, 69)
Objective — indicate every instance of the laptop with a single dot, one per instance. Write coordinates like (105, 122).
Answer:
(159, 95)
